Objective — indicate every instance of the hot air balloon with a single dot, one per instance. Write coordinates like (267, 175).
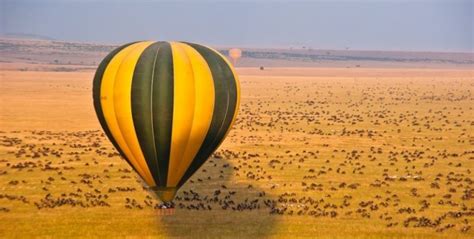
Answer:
(166, 107)
(235, 54)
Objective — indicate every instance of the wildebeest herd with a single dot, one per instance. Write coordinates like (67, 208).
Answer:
(396, 154)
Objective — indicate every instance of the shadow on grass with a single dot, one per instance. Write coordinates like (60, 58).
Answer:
(225, 218)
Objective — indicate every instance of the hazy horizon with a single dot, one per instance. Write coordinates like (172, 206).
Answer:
(444, 26)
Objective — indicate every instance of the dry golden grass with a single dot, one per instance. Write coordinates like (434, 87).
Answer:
(358, 153)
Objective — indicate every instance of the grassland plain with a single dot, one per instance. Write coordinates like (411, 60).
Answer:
(315, 152)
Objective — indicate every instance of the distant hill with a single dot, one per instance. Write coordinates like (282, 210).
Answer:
(33, 52)
(25, 36)
(394, 57)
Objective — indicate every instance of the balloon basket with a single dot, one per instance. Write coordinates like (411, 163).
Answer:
(165, 211)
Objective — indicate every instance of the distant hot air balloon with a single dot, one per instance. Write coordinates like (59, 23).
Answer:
(235, 54)
(166, 107)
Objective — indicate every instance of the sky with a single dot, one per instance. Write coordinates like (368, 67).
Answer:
(416, 25)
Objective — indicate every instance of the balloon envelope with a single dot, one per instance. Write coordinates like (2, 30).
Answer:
(235, 53)
(166, 107)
